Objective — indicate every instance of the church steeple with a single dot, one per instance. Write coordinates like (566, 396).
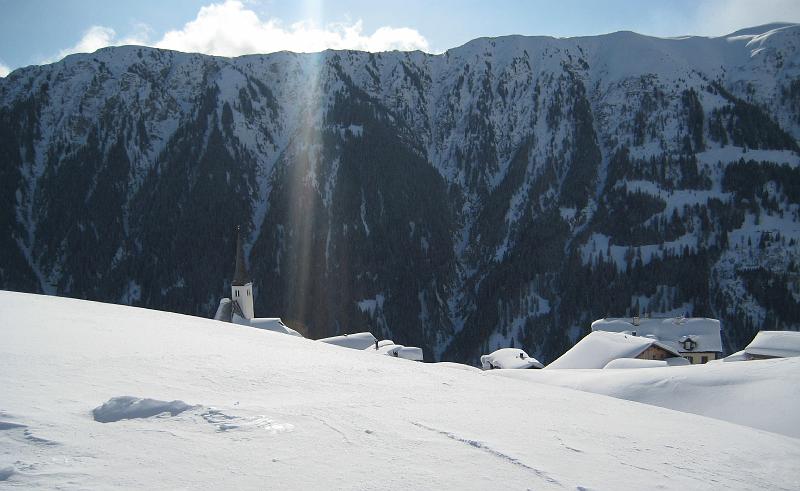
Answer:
(240, 275)
(241, 286)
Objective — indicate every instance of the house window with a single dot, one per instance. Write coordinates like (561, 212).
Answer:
(691, 360)
(703, 359)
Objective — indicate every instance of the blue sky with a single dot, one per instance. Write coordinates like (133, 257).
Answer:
(42, 31)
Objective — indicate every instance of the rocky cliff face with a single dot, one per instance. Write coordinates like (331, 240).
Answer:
(504, 193)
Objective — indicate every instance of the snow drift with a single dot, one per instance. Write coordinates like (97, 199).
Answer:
(127, 407)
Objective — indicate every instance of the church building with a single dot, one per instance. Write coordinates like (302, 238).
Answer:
(241, 286)
(239, 308)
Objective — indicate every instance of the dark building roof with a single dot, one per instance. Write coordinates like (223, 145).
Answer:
(240, 275)
(236, 309)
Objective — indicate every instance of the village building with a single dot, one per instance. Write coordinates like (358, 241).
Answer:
(773, 344)
(509, 358)
(357, 340)
(367, 342)
(697, 339)
(599, 348)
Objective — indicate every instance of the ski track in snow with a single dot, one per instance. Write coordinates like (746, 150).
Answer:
(489, 450)
(333, 428)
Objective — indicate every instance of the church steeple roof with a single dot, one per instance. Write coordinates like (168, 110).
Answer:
(240, 275)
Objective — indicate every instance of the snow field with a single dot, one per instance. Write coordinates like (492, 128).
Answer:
(305, 415)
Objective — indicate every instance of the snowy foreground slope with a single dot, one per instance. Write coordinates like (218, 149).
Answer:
(763, 394)
(275, 411)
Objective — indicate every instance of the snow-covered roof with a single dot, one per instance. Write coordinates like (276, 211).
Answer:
(410, 353)
(777, 344)
(388, 348)
(358, 340)
(634, 363)
(738, 356)
(673, 331)
(678, 361)
(600, 347)
(457, 366)
(274, 324)
(509, 358)
(224, 311)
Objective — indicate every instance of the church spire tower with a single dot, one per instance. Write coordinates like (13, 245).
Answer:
(241, 286)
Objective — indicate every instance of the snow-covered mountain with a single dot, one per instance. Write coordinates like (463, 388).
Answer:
(504, 193)
(99, 396)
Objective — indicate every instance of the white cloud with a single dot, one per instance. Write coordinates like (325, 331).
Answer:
(231, 29)
(97, 37)
(4, 70)
(720, 17)
(93, 39)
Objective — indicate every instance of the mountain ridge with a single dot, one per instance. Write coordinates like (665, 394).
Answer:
(448, 201)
